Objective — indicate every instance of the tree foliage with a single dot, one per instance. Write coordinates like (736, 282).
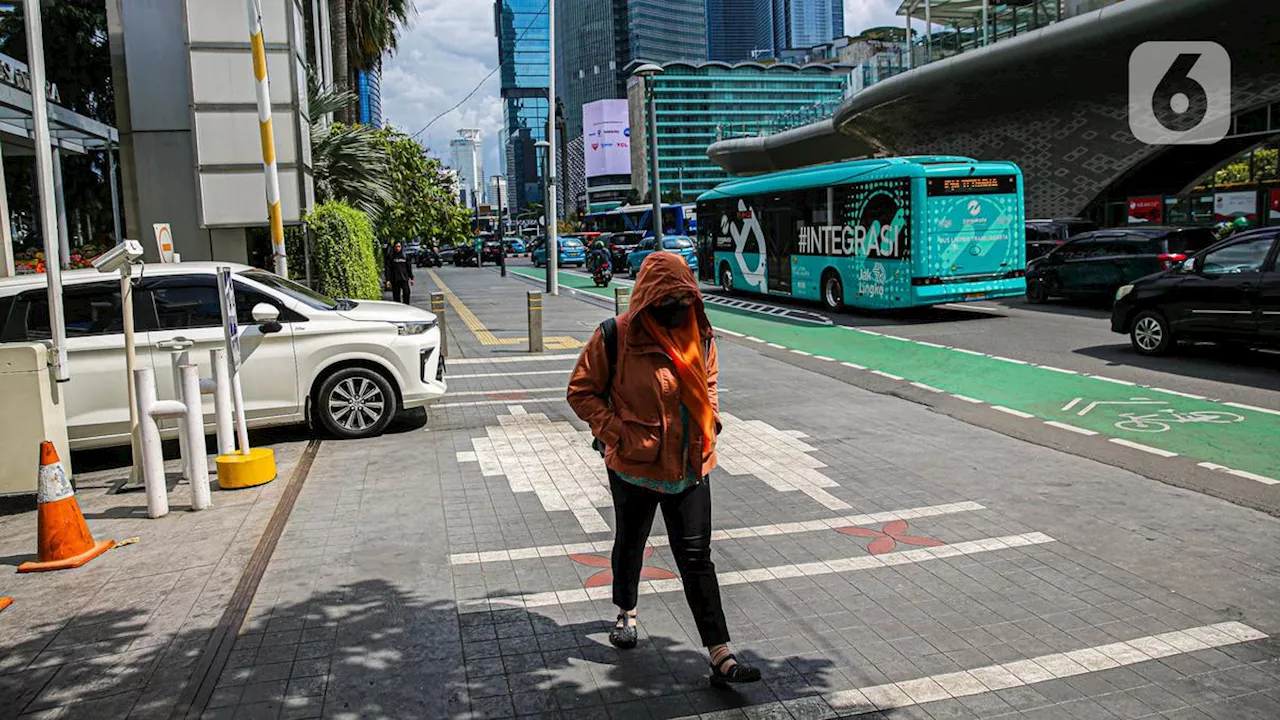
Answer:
(348, 162)
(343, 252)
(424, 202)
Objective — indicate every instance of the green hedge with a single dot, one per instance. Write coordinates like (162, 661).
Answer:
(343, 256)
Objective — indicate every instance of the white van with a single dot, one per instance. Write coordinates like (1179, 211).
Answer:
(346, 365)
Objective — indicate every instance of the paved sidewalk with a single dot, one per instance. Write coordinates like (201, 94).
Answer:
(121, 636)
(877, 559)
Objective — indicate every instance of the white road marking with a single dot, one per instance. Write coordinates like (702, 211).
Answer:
(1240, 473)
(726, 534)
(966, 398)
(1178, 393)
(753, 339)
(802, 352)
(824, 358)
(1254, 408)
(884, 374)
(855, 563)
(1071, 404)
(479, 403)
(855, 366)
(509, 391)
(895, 337)
(1019, 673)
(969, 352)
(502, 360)
(776, 346)
(1069, 428)
(932, 345)
(564, 372)
(1143, 448)
(1008, 360)
(777, 457)
(1104, 378)
(1011, 411)
(730, 333)
(930, 388)
(1051, 368)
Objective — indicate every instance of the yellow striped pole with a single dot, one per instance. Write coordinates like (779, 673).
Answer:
(268, 138)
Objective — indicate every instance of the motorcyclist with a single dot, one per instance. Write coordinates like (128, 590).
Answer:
(599, 257)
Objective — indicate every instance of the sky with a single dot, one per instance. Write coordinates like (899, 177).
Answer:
(450, 47)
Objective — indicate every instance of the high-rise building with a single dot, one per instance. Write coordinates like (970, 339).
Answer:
(522, 29)
(369, 96)
(731, 30)
(695, 101)
(597, 39)
(498, 192)
(465, 157)
(784, 24)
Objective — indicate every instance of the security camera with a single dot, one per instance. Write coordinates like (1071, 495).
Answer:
(118, 256)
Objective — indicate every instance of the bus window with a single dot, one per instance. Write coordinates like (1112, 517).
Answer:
(780, 220)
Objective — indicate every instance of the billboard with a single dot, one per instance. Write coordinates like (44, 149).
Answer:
(1146, 209)
(606, 138)
(1274, 214)
(1232, 205)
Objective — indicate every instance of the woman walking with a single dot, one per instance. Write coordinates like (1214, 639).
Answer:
(647, 387)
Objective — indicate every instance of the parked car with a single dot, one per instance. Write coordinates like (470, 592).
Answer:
(1228, 293)
(572, 252)
(427, 257)
(670, 243)
(620, 245)
(345, 365)
(464, 254)
(515, 246)
(1043, 236)
(447, 253)
(411, 249)
(1095, 264)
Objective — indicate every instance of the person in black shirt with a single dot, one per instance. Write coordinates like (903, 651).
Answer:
(399, 273)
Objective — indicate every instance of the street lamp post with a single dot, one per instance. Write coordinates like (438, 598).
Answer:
(549, 212)
(646, 72)
(553, 244)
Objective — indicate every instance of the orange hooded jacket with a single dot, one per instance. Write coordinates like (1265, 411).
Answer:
(638, 418)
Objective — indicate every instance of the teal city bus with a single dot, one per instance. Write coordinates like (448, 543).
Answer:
(875, 234)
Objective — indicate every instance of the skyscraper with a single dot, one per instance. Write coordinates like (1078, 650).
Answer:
(731, 30)
(369, 95)
(522, 30)
(785, 24)
(467, 160)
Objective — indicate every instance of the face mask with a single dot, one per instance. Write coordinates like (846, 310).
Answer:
(670, 316)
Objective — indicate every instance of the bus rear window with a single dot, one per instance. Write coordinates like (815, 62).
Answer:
(983, 185)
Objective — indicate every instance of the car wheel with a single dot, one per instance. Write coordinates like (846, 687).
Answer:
(631, 269)
(726, 278)
(355, 403)
(832, 291)
(1150, 333)
(1037, 293)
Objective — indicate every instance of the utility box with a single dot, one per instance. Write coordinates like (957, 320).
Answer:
(36, 412)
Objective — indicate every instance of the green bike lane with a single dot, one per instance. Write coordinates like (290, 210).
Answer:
(1160, 421)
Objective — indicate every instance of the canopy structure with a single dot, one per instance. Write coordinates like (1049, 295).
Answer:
(985, 20)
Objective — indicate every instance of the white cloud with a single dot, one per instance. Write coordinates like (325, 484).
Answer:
(862, 14)
(448, 48)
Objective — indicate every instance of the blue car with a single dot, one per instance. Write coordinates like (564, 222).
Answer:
(515, 245)
(670, 243)
(572, 252)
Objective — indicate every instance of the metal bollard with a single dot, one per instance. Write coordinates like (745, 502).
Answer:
(222, 403)
(437, 307)
(535, 322)
(621, 300)
(177, 348)
(195, 460)
(149, 438)
(502, 260)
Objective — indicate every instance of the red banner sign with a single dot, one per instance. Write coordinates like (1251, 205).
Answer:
(1148, 209)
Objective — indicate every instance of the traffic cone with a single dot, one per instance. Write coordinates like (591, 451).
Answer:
(64, 538)
(5, 602)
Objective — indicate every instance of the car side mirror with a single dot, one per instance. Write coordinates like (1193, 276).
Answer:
(268, 318)
(1189, 265)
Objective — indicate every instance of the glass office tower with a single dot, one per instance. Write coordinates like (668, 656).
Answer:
(523, 33)
(789, 24)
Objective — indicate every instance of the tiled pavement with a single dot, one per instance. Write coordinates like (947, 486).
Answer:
(877, 558)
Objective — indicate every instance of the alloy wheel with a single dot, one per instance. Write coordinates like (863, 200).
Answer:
(356, 403)
(1148, 334)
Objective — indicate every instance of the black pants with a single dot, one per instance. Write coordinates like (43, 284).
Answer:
(688, 519)
(400, 292)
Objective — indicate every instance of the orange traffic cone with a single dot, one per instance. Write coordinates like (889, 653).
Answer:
(64, 538)
(5, 602)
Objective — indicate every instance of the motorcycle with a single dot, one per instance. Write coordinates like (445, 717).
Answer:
(602, 275)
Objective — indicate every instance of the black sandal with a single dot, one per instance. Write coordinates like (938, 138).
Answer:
(736, 674)
(624, 637)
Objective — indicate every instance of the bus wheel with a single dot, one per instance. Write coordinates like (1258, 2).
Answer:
(832, 291)
(726, 278)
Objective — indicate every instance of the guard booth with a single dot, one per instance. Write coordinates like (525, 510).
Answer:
(72, 134)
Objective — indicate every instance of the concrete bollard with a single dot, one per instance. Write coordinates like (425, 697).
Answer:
(149, 439)
(621, 300)
(222, 403)
(535, 322)
(437, 307)
(196, 461)
(177, 348)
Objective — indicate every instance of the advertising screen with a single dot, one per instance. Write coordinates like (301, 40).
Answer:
(1232, 205)
(1274, 213)
(1146, 209)
(606, 138)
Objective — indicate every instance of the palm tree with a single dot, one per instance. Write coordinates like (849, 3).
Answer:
(363, 30)
(348, 162)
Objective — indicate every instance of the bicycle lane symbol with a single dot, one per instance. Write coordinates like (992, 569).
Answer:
(1155, 417)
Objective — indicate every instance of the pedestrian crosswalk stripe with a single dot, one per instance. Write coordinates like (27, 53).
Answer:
(527, 553)
(501, 360)
(777, 572)
(1019, 673)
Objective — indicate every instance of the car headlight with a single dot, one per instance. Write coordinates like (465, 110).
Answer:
(1124, 290)
(416, 327)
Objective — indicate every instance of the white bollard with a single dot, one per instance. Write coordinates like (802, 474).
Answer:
(222, 403)
(195, 460)
(178, 357)
(149, 438)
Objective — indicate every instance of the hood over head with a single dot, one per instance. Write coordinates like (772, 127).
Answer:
(663, 274)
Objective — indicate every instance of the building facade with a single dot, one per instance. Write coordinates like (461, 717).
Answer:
(369, 96)
(465, 157)
(667, 30)
(786, 24)
(694, 101)
(522, 29)
(498, 192)
(731, 30)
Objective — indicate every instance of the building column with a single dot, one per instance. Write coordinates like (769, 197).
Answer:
(986, 22)
(7, 268)
(60, 202)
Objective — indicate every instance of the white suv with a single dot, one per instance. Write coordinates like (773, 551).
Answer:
(347, 365)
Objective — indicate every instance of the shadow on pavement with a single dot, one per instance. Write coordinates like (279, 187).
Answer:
(1098, 308)
(372, 648)
(1231, 364)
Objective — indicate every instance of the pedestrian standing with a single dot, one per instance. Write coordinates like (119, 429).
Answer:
(399, 273)
(646, 384)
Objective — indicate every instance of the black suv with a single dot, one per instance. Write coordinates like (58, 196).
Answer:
(1095, 264)
(1230, 292)
(620, 245)
(1043, 236)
